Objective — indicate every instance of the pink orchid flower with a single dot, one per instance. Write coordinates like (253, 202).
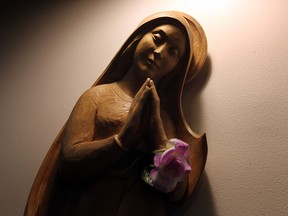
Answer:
(171, 166)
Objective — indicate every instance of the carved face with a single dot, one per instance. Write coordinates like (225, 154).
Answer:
(159, 52)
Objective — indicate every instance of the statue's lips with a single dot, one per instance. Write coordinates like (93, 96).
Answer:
(151, 63)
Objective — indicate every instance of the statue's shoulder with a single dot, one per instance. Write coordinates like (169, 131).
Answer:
(98, 90)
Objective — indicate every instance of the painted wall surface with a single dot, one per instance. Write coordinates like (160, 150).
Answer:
(51, 53)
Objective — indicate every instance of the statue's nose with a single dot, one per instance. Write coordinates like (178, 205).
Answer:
(158, 52)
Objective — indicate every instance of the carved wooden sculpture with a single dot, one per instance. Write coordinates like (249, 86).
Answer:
(95, 164)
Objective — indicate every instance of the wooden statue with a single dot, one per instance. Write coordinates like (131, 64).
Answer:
(107, 158)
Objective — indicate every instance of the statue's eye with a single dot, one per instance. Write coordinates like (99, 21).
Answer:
(157, 38)
(174, 52)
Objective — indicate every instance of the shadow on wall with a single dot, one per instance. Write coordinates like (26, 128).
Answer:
(192, 103)
(200, 203)
(195, 86)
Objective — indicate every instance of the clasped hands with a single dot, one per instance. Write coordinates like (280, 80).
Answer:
(143, 129)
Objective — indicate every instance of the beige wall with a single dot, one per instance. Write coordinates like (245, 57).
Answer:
(51, 54)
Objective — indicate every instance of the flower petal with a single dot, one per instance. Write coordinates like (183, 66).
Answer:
(157, 159)
(154, 174)
(167, 156)
(181, 146)
(163, 184)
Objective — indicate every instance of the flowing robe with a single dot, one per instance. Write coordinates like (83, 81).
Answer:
(97, 181)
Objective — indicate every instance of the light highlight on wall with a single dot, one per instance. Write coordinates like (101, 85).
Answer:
(206, 6)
